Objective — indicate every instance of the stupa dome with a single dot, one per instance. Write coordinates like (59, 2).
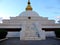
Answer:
(29, 13)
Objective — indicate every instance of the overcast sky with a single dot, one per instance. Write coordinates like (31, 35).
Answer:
(45, 8)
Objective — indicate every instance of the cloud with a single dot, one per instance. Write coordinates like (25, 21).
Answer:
(0, 19)
(58, 17)
(6, 17)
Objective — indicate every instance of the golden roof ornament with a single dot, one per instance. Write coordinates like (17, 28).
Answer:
(28, 6)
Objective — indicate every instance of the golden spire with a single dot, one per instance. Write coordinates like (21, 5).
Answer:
(28, 6)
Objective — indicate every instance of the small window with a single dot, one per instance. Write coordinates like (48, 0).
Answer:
(29, 17)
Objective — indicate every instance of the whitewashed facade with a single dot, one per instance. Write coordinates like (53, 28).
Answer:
(31, 24)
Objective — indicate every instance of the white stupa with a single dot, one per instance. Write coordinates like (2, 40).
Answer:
(31, 30)
(31, 25)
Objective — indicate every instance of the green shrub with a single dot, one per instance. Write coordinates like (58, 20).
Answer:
(57, 32)
(3, 33)
(2, 30)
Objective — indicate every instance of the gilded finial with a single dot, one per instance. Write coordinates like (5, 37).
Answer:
(28, 6)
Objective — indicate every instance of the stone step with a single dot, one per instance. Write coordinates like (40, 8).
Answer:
(32, 38)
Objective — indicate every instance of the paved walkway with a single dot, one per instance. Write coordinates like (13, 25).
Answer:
(16, 41)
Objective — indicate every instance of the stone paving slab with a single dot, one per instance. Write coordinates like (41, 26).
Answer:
(16, 41)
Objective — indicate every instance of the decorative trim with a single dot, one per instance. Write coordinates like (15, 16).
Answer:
(3, 39)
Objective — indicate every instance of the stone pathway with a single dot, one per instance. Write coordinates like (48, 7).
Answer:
(16, 41)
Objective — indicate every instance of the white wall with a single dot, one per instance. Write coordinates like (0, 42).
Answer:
(50, 34)
(13, 34)
(17, 34)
